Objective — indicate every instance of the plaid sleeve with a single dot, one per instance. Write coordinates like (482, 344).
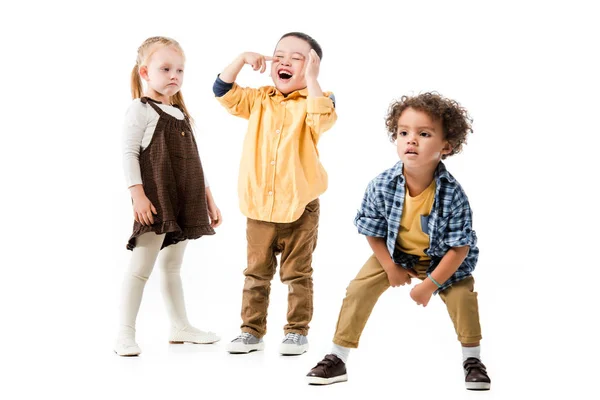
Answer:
(459, 232)
(369, 220)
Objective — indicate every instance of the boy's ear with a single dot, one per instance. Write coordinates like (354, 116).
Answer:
(144, 72)
(447, 148)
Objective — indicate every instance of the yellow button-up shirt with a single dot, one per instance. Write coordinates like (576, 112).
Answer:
(280, 170)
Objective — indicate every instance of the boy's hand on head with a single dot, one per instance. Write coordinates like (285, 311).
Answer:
(257, 61)
(311, 68)
(398, 276)
(421, 294)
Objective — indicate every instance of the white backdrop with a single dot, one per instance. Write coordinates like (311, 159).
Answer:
(526, 71)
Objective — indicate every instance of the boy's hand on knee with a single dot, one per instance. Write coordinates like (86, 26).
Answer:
(397, 276)
(421, 293)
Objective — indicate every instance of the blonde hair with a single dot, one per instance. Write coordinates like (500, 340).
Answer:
(144, 53)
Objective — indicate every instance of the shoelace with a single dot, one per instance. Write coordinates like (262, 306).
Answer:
(243, 335)
(294, 336)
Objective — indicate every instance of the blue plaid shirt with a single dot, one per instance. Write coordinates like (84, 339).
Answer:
(448, 224)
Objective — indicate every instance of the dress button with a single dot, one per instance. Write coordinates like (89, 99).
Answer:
(182, 133)
(283, 103)
(272, 162)
(277, 131)
(270, 193)
(397, 204)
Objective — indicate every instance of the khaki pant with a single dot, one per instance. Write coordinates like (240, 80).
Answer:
(372, 281)
(295, 241)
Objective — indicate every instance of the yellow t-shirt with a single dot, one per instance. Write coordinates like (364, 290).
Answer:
(412, 238)
(280, 170)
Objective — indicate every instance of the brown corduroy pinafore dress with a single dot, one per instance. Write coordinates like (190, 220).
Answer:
(173, 181)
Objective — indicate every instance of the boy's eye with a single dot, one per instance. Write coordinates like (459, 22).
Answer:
(402, 133)
(165, 69)
(180, 71)
(296, 58)
(279, 57)
(425, 134)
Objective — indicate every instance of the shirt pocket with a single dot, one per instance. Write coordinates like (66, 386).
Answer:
(425, 224)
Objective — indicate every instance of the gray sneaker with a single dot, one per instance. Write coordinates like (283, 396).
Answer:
(245, 343)
(293, 344)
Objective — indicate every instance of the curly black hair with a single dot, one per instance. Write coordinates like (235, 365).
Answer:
(455, 119)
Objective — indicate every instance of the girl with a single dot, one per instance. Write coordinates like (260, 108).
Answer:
(171, 199)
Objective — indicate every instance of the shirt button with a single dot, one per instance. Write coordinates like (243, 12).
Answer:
(272, 162)
(182, 133)
(397, 204)
(277, 131)
(270, 193)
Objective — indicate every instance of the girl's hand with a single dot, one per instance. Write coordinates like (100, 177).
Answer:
(143, 210)
(311, 71)
(257, 61)
(215, 215)
(421, 294)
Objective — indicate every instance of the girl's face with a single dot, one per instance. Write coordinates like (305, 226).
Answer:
(287, 67)
(164, 73)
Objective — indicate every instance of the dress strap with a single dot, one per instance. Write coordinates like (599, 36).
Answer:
(148, 100)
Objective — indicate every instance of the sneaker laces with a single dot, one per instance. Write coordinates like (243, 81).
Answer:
(295, 337)
(243, 336)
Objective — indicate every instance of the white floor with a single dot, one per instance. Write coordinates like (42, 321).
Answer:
(406, 351)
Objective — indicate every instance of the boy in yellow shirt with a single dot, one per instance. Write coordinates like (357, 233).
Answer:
(280, 180)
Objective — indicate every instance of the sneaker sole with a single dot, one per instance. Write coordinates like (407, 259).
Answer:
(477, 385)
(313, 380)
(245, 348)
(292, 349)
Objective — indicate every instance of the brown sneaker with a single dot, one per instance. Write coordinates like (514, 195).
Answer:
(330, 370)
(476, 377)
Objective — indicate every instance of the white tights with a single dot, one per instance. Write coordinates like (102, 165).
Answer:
(143, 259)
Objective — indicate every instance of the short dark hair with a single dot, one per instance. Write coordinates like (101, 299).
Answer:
(455, 119)
(312, 42)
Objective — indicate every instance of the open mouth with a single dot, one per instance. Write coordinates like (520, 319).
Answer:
(284, 75)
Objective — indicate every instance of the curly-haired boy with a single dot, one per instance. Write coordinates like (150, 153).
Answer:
(417, 221)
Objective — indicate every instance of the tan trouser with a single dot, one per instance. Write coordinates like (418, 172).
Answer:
(372, 281)
(296, 242)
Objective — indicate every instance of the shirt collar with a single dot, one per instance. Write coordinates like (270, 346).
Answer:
(440, 172)
(296, 93)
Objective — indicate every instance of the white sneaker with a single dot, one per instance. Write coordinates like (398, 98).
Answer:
(192, 335)
(126, 346)
(293, 344)
(245, 343)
